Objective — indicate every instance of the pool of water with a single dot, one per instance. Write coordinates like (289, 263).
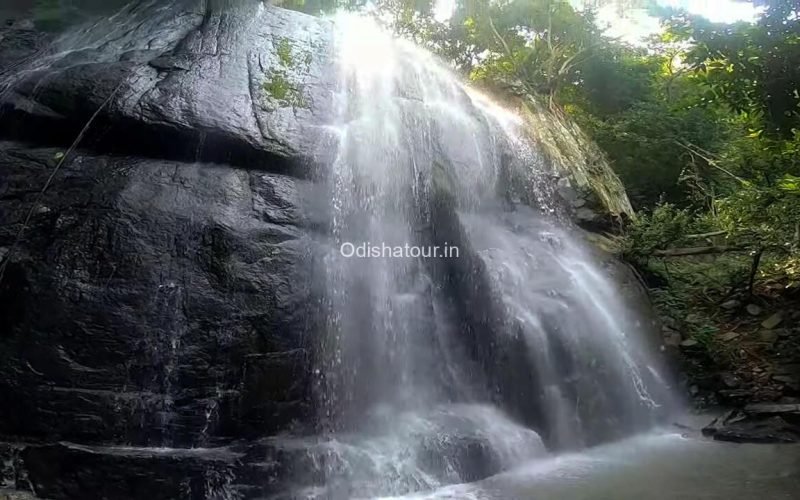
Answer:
(657, 466)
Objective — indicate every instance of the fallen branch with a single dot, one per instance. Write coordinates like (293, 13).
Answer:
(40, 195)
(684, 252)
(754, 270)
(705, 235)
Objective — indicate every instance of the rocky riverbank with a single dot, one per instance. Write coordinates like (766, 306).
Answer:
(750, 364)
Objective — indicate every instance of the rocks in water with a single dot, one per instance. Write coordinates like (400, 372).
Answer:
(773, 321)
(758, 423)
(771, 430)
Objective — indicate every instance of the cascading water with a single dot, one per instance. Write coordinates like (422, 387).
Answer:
(410, 399)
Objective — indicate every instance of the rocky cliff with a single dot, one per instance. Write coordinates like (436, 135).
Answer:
(159, 292)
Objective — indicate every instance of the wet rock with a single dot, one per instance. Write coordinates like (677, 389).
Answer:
(727, 337)
(791, 382)
(274, 392)
(180, 83)
(753, 310)
(567, 192)
(772, 409)
(587, 216)
(689, 343)
(580, 202)
(672, 339)
(730, 380)
(66, 471)
(161, 280)
(18, 42)
(735, 397)
(13, 474)
(773, 321)
(770, 430)
(758, 423)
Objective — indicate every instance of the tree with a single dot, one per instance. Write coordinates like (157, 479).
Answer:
(753, 68)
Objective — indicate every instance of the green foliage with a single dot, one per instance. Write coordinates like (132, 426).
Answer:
(285, 52)
(684, 301)
(279, 88)
(753, 68)
(279, 85)
(320, 6)
(53, 15)
(762, 217)
(537, 43)
(656, 230)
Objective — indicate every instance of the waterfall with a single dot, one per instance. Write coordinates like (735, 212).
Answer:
(437, 371)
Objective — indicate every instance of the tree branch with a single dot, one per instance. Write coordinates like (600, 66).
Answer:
(685, 252)
(695, 151)
(705, 235)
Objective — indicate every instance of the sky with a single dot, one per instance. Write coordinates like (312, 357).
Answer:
(638, 24)
(724, 11)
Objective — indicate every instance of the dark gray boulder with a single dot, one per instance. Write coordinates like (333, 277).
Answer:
(136, 303)
(246, 85)
(758, 423)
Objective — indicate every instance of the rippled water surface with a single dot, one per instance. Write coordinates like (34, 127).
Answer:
(654, 467)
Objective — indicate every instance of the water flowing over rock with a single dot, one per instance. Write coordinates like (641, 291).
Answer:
(179, 311)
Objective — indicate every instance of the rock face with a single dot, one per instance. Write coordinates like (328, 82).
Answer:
(138, 293)
(161, 290)
(242, 85)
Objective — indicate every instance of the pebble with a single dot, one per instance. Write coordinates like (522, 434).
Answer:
(772, 321)
(768, 336)
(731, 304)
(753, 310)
